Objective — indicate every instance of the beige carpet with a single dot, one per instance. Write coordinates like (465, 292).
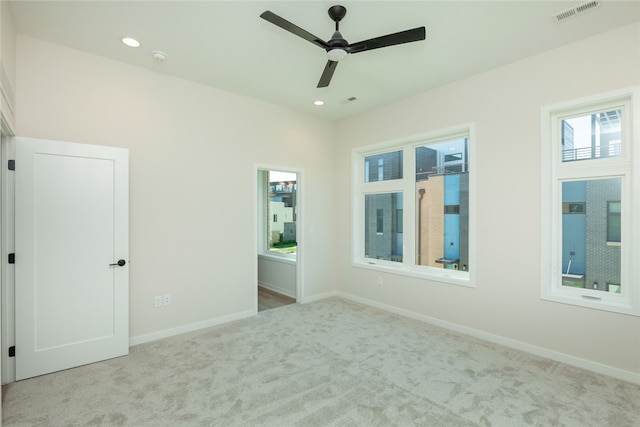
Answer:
(329, 363)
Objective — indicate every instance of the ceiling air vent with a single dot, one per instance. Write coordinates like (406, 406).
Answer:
(575, 11)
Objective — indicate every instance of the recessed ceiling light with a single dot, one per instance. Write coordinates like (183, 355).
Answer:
(318, 103)
(131, 42)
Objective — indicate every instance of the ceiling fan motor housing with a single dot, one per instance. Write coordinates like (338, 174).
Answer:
(337, 41)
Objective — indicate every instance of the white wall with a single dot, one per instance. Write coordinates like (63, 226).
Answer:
(505, 105)
(8, 61)
(279, 275)
(193, 151)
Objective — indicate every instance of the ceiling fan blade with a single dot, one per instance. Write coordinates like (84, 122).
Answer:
(292, 28)
(413, 35)
(327, 73)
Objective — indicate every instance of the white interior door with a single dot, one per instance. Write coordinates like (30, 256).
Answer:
(71, 229)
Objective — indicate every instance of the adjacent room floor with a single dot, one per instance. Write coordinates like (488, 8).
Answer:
(268, 299)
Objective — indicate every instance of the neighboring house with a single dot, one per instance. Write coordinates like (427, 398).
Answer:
(282, 211)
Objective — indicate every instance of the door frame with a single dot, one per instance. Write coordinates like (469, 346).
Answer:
(7, 242)
(300, 235)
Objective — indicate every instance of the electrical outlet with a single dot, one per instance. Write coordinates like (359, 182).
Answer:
(380, 280)
(157, 301)
(166, 300)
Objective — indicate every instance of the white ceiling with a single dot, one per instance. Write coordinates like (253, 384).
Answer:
(225, 44)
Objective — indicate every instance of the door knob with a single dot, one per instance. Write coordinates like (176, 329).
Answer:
(120, 263)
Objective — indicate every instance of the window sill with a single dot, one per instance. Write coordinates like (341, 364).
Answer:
(597, 300)
(285, 259)
(452, 277)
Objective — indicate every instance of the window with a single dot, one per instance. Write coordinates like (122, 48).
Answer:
(380, 221)
(613, 221)
(385, 243)
(386, 166)
(585, 234)
(587, 176)
(591, 136)
(453, 157)
(442, 184)
(573, 208)
(452, 209)
(412, 207)
(279, 206)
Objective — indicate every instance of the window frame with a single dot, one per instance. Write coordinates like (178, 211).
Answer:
(554, 172)
(407, 186)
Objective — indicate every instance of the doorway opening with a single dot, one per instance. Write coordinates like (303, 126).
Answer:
(278, 237)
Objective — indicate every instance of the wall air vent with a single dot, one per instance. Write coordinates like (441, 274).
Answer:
(575, 11)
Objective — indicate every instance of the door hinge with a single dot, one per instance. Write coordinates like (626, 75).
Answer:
(12, 165)
(12, 258)
(12, 351)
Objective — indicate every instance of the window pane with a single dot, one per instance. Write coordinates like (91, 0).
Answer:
(587, 260)
(592, 136)
(383, 167)
(442, 204)
(383, 226)
(281, 228)
(613, 222)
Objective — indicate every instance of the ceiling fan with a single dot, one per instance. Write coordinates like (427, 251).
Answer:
(337, 47)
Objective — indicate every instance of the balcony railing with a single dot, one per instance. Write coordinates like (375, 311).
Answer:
(443, 170)
(597, 152)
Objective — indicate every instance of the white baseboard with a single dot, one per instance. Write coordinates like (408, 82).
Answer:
(278, 289)
(166, 333)
(318, 297)
(507, 342)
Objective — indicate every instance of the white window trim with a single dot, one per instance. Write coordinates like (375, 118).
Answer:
(554, 172)
(407, 187)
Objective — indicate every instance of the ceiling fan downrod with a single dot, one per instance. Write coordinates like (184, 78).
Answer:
(336, 13)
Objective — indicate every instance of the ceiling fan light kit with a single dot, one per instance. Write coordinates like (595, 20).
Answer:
(336, 54)
(337, 47)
